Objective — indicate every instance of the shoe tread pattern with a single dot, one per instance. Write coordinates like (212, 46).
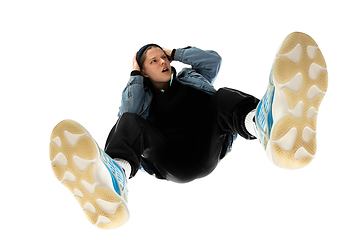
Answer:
(312, 66)
(103, 207)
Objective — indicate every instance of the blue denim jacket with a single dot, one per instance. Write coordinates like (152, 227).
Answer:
(205, 65)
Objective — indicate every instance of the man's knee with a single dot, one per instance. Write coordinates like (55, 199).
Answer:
(127, 117)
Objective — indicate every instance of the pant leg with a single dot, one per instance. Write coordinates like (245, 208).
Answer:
(228, 108)
(231, 107)
(132, 137)
(226, 114)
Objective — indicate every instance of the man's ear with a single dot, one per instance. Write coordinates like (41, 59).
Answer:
(143, 73)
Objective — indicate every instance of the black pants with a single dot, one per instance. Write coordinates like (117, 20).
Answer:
(137, 141)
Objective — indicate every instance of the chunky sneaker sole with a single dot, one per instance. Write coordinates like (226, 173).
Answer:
(286, 117)
(77, 163)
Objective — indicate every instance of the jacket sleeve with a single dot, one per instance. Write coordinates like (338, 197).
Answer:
(207, 63)
(133, 96)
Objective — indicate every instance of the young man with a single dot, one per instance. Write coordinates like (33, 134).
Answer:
(177, 126)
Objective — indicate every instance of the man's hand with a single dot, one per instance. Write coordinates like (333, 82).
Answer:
(135, 63)
(168, 53)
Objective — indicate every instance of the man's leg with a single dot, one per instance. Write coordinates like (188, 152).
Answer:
(132, 138)
(231, 108)
(228, 110)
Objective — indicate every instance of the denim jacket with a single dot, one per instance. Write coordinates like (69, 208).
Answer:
(137, 95)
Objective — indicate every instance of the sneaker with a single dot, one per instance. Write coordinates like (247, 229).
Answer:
(286, 116)
(97, 182)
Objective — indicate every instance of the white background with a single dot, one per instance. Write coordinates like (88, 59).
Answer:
(72, 59)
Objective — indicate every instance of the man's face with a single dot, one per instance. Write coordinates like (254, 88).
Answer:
(157, 66)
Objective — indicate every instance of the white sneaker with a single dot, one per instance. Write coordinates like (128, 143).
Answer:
(286, 116)
(98, 184)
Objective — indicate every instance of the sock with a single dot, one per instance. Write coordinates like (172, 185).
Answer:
(124, 165)
(250, 123)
